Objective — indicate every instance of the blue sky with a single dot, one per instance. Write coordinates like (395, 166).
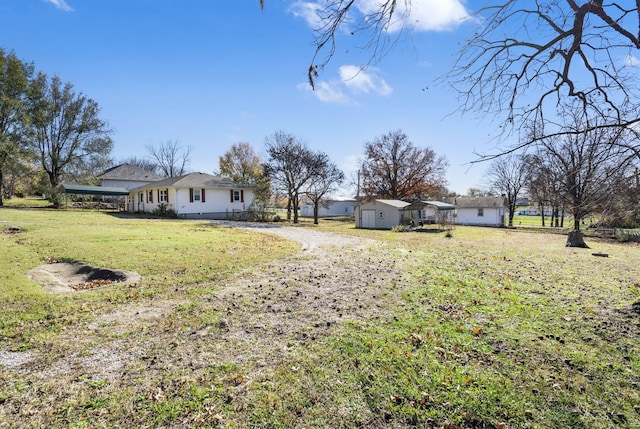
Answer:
(213, 73)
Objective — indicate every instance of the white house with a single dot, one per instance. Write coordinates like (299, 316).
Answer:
(482, 211)
(195, 195)
(127, 176)
(382, 214)
(335, 206)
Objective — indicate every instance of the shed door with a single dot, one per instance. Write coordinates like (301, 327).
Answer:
(368, 218)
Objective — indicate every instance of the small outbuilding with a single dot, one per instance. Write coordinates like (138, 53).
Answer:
(481, 211)
(382, 214)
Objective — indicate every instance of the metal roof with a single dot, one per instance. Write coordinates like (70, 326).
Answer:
(394, 203)
(438, 204)
(92, 190)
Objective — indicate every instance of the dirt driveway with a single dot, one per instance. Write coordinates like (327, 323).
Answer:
(259, 316)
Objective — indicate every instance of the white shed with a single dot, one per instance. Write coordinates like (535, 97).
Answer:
(482, 211)
(381, 214)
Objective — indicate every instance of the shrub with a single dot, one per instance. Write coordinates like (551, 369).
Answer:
(164, 211)
(401, 228)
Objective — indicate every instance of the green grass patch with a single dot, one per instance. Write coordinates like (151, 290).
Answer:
(491, 328)
(172, 256)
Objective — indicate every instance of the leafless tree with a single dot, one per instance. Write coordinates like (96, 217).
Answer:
(588, 164)
(527, 57)
(524, 58)
(171, 157)
(508, 176)
(395, 168)
(144, 163)
(326, 179)
(291, 166)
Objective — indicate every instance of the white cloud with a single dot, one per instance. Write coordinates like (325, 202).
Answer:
(422, 15)
(327, 92)
(358, 80)
(353, 81)
(60, 4)
(632, 60)
(307, 11)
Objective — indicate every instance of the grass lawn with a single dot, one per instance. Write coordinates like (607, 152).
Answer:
(492, 328)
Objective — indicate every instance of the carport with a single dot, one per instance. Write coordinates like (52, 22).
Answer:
(94, 190)
(432, 212)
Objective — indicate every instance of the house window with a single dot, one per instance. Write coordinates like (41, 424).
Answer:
(480, 212)
(150, 196)
(196, 195)
(141, 197)
(163, 196)
(236, 195)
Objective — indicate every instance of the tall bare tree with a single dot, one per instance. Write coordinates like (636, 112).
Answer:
(524, 58)
(171, 157)
(527, 57)
(291, 165)
(65, 128)
(588, 165)
(326, 179)
(395, 168)
(508, 176)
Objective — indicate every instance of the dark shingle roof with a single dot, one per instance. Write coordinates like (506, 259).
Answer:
(194, 180)
(129, 172)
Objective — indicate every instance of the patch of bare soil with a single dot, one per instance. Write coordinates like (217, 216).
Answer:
(261, 315)
(68, 277)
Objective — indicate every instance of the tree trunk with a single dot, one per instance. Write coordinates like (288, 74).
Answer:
(316, 205)
(1, 189)
(295, 208)
(576, 239)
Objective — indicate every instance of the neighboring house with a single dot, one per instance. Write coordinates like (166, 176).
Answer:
(195, 195)
(482, 211)
(127, 176)
(335, 206)
(382, 214)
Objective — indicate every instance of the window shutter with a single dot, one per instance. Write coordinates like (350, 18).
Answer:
(190, 195)
(241, 195)
(231, 195)
(158, 195)
(202, 196)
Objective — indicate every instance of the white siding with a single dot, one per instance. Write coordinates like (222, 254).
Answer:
(216, 201)
(491, 216)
